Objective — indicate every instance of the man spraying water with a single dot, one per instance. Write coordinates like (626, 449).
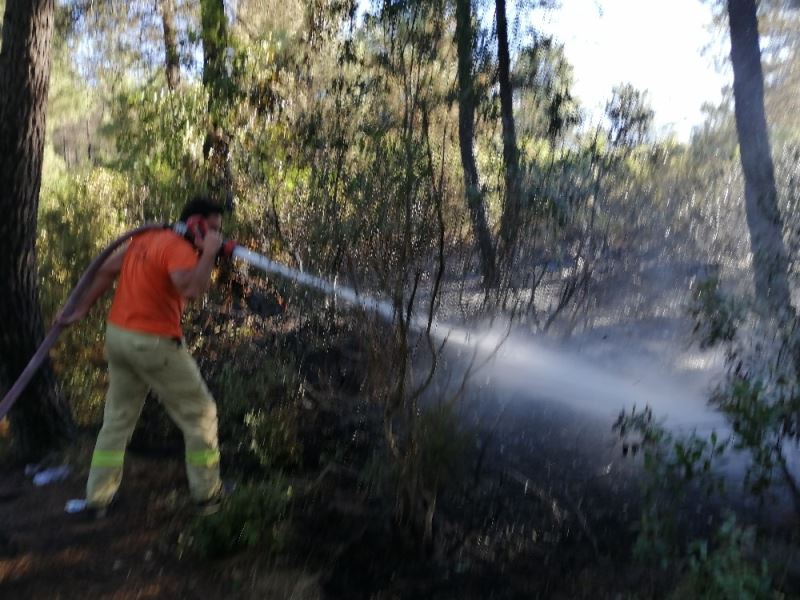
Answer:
(159, 267)
(158, 271)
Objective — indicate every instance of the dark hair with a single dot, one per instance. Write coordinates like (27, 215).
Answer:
(200, 205)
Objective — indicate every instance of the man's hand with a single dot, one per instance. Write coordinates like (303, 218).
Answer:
(66, 320)
(193, 283)
(103, 280)
(212, 242)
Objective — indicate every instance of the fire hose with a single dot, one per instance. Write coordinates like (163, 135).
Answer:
(50, 339)
(193, 227)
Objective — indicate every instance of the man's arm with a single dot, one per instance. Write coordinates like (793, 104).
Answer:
(103, 280)
(193, 283)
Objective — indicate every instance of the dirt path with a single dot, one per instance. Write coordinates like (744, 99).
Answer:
(47, 553)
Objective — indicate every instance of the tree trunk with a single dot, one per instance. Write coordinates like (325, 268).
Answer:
(466, 126)
(215, 42)
(217, 83)
(171, 57)
(40, 420)
(509, 223)
(770, 262)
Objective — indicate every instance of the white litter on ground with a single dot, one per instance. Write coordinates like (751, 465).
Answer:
(51, 475)
(75, 505)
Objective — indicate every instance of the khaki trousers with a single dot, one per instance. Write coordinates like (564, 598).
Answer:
(138, 362)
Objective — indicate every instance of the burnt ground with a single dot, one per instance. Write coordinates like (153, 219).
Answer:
(540, 522)
(544, 508)
(526, 529)
(47, 553)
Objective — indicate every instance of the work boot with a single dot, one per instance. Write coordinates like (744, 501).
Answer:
(206, 508)
(99, 513)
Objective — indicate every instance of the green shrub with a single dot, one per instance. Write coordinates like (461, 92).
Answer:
(677, 470)
(272, 436)
(252, 516)
(762, 419)
(159, 136)
(258, 408)
(716, 317)
(675, 466)
(432, 460)
(725, 571)
(78, 216)
(443, 444)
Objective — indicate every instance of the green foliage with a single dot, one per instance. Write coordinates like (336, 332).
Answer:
(78, 215)
(716, 316)
(759, 397)
(728, 569)
(258, 404)
(762, 419)
(159, 136)
(442, 447)
(251, 517)
(631, 116)
(437, 462)
(542, 80)
(272, 436)
(431, 461)
(676, 469)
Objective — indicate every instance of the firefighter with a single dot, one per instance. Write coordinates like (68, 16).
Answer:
(158, 271)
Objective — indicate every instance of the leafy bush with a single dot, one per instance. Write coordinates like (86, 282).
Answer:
(725, 571)
(764, 421)
(78, 215)
(272, 436)
(159, 137)
(716, 317)
(760, 396)
(258, 408)
(443, 444)
(433, 459)
(675, 468)
(250, 517)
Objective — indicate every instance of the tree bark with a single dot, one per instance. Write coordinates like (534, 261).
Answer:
(770, 261)
(171, 56)
(214, 31)
(40, 420)
(466, 131)
(217, 83)
(509, 223)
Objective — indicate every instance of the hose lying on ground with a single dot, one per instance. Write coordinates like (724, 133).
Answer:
(83, 283)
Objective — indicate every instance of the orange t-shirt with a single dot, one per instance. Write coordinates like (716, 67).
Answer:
(146, 299)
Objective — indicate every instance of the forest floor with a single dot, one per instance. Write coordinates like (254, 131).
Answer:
(529, 531)
(549, 514)
(534, 526)
(47, 553)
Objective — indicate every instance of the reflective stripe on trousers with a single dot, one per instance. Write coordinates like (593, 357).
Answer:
(137, 363)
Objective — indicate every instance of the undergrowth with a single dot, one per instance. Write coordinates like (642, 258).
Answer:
(253, 516)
